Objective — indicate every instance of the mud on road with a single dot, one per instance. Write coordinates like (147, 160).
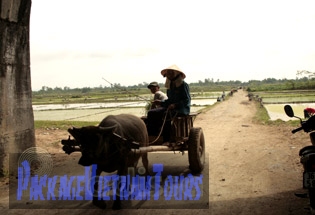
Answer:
(253, 168)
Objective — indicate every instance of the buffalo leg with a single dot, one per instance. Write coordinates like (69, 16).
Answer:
(121, 171)
(145, 163)
(99, 203)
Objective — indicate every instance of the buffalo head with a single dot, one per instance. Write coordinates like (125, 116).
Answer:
(93, 142)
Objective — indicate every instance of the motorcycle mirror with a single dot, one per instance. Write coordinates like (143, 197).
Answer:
(289, 111)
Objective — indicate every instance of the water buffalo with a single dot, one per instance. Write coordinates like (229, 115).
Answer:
(100, 146)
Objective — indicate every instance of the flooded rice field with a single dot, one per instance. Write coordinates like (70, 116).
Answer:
(276, 111)
(97, 111)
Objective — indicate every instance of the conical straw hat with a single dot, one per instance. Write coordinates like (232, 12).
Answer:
(173, 67)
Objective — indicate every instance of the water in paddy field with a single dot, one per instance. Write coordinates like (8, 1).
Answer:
(276, 111)
(97, 111)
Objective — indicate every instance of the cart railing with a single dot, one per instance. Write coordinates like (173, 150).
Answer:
(182, 125)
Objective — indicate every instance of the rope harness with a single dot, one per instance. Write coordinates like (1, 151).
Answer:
(162, 127)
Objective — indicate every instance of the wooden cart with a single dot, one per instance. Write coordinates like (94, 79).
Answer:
(184, 136)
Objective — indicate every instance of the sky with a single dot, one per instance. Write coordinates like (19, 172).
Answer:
(77, 43)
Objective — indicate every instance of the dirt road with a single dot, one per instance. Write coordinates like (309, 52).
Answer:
(253, 168)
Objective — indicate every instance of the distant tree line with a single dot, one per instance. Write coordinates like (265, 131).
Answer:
(270, 84)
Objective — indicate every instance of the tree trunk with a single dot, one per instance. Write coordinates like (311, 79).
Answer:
(16, 113)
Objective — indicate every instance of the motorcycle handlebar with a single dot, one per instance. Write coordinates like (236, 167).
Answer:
(296, 130)
(306, 125)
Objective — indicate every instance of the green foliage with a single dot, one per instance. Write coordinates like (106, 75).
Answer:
(116, 92)
(284, 84)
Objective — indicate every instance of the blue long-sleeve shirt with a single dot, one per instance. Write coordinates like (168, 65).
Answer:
(180, 96)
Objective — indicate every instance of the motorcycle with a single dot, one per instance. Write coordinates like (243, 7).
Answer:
(307, 155)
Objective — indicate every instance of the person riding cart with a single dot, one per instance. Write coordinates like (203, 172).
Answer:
(177, 104)
(154, 87)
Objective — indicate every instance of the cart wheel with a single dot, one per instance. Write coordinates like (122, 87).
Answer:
(196, 150)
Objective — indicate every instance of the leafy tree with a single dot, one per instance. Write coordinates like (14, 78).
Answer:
(305, 72)
(86, 89)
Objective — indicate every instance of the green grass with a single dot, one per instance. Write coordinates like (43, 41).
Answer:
(291, 99)
(286, 96)
(144, 95)
(262, 117)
